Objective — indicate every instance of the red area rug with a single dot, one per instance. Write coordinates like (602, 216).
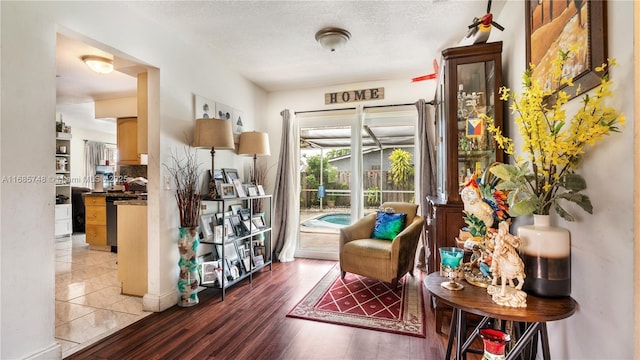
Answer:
(365, 303)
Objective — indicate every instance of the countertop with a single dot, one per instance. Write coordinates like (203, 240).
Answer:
(131, 202)
(117, 194)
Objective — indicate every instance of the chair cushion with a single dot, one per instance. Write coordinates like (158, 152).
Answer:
(388, 225)
(368, 248)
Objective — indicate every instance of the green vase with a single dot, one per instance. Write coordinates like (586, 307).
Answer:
(188, 281)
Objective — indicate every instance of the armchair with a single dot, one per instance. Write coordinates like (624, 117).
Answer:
(384, 260)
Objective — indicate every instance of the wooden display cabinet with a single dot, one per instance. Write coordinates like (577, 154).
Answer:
(468, 86)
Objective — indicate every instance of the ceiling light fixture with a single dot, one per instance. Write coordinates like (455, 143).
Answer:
(332, 38)
(98, 64)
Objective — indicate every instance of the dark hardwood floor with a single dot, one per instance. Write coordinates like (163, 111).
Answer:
(251, 324)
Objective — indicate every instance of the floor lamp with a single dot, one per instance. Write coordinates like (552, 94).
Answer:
(254, 143)
(214, 134)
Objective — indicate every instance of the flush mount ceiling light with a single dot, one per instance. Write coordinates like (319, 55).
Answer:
(332, 38)
(98, 64)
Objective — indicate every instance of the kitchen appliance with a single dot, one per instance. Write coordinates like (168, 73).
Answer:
(107, 176)
(98, 186)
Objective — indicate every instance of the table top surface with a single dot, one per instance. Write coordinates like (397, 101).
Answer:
(474, 299)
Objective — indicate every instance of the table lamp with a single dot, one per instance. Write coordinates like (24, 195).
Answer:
(214, 134)
(254, 143)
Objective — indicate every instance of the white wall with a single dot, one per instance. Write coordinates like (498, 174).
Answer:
(602, 243)
(28, 77)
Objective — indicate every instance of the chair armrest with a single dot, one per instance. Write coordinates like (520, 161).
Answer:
(360, 229)
(408, 236)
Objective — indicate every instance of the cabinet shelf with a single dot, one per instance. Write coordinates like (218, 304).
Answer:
(63, 215)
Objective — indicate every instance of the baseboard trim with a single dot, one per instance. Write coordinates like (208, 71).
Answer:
(155, 303)
(52, 352)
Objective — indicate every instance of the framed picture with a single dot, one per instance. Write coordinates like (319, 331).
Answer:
(249, 226)
(258, 221)
(227, 190)
(239, 189)
(220, 216)
(217, 174)
(228, 228)
(551, 25)
(260, 190)
(223, 111)
(203, 108)
(258, 251)
(252, 190)
(245, 214)
(206, 225)
(258, 260)
(235, 208)
(219, 233)
(209, 271)
(238, 121)
(230, 175)
(238, 227)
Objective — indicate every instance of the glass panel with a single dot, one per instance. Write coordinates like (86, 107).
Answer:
(441, 141)
(476, 148)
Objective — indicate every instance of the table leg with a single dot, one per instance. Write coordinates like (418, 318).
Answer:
(461, 332)
(524, 340)
(544, 339)
(475, 332)
(452, 333)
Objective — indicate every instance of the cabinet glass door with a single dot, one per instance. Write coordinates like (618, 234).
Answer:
(475, 99)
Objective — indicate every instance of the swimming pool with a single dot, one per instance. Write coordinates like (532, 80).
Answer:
(333, 221)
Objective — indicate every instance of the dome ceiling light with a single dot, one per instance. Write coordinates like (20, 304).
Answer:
(332, 38)
(98, 64)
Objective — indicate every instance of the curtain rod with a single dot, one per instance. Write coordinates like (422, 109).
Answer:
(106, 143)
(353, 108)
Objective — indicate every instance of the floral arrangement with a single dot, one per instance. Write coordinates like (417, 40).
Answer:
(553, 145)
(185, 173)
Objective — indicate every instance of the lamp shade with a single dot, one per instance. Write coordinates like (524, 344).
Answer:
(213, 133)
(254, 143)
(98, 64)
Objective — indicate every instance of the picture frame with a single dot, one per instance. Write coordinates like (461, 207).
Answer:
(230, 175)
(207, 225)
(258, 260)
(239, 189)
(203, 108)
(235, 208)
(245, 214)
(227, 191)
(219, 216)
(260, 190)
(228, 228)
(209, 272)
(258, 221)
(587, 25)
(258, 250)
(219, 233)
(238, 227)
(252, 190)
(238, 121)
(223, 111)
(249, 226)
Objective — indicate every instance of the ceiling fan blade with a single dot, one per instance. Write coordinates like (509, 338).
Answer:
(498, 26)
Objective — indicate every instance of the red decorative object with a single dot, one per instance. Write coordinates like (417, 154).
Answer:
(494, 343)
(365, 303)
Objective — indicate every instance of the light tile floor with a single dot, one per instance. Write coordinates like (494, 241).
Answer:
(89, 305)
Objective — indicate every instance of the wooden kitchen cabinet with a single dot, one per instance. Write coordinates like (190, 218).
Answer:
(127, 138)
(132, 248)
(96, 221)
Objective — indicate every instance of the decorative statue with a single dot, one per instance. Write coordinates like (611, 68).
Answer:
(507, 265)
(474, 203)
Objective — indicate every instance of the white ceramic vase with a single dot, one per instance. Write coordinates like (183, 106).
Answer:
(546, 253)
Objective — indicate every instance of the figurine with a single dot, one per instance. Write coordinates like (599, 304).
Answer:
(474, 204)
(507, 265)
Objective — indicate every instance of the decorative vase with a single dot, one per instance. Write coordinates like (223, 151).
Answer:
(189, 280)
(546, 253)
(494, 343)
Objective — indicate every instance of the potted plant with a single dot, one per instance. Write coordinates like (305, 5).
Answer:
(185, 173)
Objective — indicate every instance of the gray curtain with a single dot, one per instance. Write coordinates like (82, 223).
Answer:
(93, 152)
(286, 207)
(427, 170)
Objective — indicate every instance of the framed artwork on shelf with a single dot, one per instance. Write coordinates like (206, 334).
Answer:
(249, 226)
(220, 215)
(239, 188)
(552, 26)
(223, 111)
(252, 190)
(209, 271)
(245, 214)
(230, 175)
(260, 190)
(258, 260)
(203, 108)
(235, 208)
(227, 190)
(219, 233)
(258, 221)
(206, 225)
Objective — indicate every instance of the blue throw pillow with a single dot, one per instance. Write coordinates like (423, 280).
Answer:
(388, 225)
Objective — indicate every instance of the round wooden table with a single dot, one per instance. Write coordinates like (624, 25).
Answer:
(475, 300)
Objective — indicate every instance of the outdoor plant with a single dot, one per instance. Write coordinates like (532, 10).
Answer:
(544, 174)
(401, 168)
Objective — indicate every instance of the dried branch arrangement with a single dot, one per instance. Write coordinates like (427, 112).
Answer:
(185, 173)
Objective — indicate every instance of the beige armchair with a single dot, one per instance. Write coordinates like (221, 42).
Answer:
(381, 259)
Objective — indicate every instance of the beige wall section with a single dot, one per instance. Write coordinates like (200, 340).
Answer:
(636, 175)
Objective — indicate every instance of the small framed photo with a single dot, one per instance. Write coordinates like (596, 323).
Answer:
(239, 188)
(220, 216)
(218, 175)
(258, 221)
(258, 251)
(245, 214)
(228, 228)
(209, 271)
(206, 225)
(238, 227)
(258, 260)
(249, 226)
(260, 190)
(219, 233)
(227, 190)
(252, 190)
(235, 208)
(230, 175)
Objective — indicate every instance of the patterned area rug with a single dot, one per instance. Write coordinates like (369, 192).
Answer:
(365, 303)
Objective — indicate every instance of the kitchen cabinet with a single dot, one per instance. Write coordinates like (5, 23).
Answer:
(96, 222)
(132, 246)
(63, 218)
(467, 89)
(127, 138)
